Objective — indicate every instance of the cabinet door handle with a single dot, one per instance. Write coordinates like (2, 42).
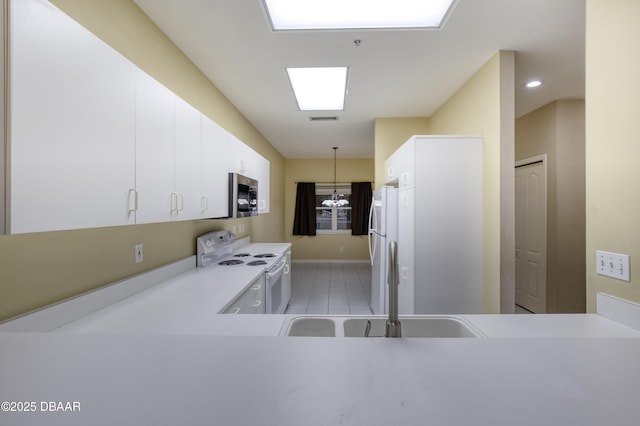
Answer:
(174, 202)
(263, 205)
(286, 268)
(391, 172)
(257, 287)
(235, 311)
(404, 178)
(133, 200)
(180, 202)
(204, 203)
(257, 303)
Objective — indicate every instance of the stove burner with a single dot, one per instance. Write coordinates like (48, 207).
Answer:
(242, 255)
(257, 262)
(265, 255)
(230, 262)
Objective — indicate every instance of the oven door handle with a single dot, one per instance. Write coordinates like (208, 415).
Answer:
(278, 271)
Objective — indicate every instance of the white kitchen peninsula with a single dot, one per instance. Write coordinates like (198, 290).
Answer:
(528, 370)
(205, 380)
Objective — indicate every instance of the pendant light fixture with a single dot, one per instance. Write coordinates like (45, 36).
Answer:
(335, 200)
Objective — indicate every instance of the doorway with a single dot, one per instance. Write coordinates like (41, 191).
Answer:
(531, 233)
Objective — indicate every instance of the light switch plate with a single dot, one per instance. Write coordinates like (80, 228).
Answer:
(614, 265)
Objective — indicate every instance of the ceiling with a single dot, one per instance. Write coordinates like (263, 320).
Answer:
(392, 73)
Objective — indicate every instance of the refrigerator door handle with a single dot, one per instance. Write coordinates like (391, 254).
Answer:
(372, 229)
(372, 217)
(373, 243)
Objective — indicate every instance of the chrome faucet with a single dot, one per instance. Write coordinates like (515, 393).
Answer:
(394, 328)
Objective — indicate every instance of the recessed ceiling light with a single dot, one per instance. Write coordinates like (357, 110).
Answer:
(361, 14)
(533, 83)
(319, 89)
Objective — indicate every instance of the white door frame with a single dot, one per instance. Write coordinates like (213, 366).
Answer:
(543, 237)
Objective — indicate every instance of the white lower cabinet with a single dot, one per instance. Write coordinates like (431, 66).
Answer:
(250, 301)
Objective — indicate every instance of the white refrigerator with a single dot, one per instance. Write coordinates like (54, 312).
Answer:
(383, 228)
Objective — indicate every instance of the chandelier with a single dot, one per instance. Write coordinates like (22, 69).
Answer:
(337, 200)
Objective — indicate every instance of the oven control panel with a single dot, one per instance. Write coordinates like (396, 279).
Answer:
(213, 246)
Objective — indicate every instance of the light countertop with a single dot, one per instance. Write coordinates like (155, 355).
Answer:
(164, 357)
(549, 325)
(187, 304)
(204, 380)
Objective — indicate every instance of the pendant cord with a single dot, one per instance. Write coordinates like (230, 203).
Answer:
(335, 166)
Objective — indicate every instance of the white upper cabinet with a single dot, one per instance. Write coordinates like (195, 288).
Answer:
(71, 124)
(257, 167)
(94, 141)
(155, 129)
(217, 156)
(186, 198)
(400, 167)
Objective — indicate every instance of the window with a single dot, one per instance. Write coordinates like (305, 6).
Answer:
(333, 212)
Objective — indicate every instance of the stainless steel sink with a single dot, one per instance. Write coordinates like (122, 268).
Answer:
(412, 327)
(435, 327)
(312, 327)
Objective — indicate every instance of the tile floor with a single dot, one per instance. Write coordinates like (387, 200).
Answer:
(330, 288)
(334, 289)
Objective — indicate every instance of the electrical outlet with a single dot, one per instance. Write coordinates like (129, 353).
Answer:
(613, 265)
(138, 253)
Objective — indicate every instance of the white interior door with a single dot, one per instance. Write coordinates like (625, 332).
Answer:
(531, 234)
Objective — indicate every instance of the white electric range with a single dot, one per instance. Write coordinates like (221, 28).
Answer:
(219, 249)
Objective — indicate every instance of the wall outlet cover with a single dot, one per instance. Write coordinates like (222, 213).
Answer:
(138, 253)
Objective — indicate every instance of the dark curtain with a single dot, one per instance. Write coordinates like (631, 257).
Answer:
(361, 195)
(304, 222)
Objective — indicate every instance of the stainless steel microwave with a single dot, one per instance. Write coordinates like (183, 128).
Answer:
(243, 196)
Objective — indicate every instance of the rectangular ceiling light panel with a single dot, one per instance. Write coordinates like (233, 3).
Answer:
(356, 14)
(319, 89)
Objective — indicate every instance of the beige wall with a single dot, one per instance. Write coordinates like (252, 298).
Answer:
(42, 268)
(390, 134)
(612, 147)
(321, 170)
(484, 106)
(557, 129)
